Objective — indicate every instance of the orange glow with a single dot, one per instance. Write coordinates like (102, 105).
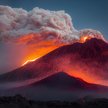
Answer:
(35, 51)
(34, 54)
(41, 48)
(28, 61)
(82, 75)
(84, 38)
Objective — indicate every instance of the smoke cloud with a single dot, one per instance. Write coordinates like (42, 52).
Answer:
(38, 31)
(37, 25)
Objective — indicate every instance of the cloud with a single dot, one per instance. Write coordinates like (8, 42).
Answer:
(37, 25)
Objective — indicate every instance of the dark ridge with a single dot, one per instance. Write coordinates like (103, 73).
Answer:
(92, 48)
(62, 80)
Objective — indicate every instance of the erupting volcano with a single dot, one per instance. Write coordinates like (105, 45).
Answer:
(81, 60)
(51, 45)
(46, 51)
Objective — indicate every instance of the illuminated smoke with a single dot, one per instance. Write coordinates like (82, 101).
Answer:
(42, 24)
(38, 25)
(91, 34)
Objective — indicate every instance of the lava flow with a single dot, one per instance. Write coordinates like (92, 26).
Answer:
(32, 56)
(28, 61)
(41, 49)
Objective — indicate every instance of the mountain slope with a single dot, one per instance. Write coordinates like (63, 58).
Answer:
(64, 81)
(88, 61)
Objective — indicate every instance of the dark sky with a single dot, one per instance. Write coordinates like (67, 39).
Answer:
(85, 13)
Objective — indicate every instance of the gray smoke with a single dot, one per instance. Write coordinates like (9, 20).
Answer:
(19, 25)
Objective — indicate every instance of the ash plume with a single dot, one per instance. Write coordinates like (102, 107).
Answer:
(39, 25)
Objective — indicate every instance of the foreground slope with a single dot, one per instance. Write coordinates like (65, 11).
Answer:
(64, 81)
(59, 86)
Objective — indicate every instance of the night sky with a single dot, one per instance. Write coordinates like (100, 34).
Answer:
(85, 13)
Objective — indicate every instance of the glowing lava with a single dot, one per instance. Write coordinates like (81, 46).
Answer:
(34, 54)
(44, 47)
(35, 51)
(28, 61)
(85, 38)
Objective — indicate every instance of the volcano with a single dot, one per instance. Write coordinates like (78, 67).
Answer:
(87, 61)
(59, 86)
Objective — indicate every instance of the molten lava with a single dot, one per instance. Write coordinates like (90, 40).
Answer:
(38, 50)
(28, 61)
(44, 47)
(36, 54)
(85, 38)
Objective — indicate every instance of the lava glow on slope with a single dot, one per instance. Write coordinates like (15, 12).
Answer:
(84, 38)
(28, 61)
(34, 55)
(39, 50)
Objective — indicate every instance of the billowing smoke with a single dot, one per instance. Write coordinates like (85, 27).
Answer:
(42, 24)
(17, 24)
(39, 31)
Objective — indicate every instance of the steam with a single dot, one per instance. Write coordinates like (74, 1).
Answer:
(19, 25)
